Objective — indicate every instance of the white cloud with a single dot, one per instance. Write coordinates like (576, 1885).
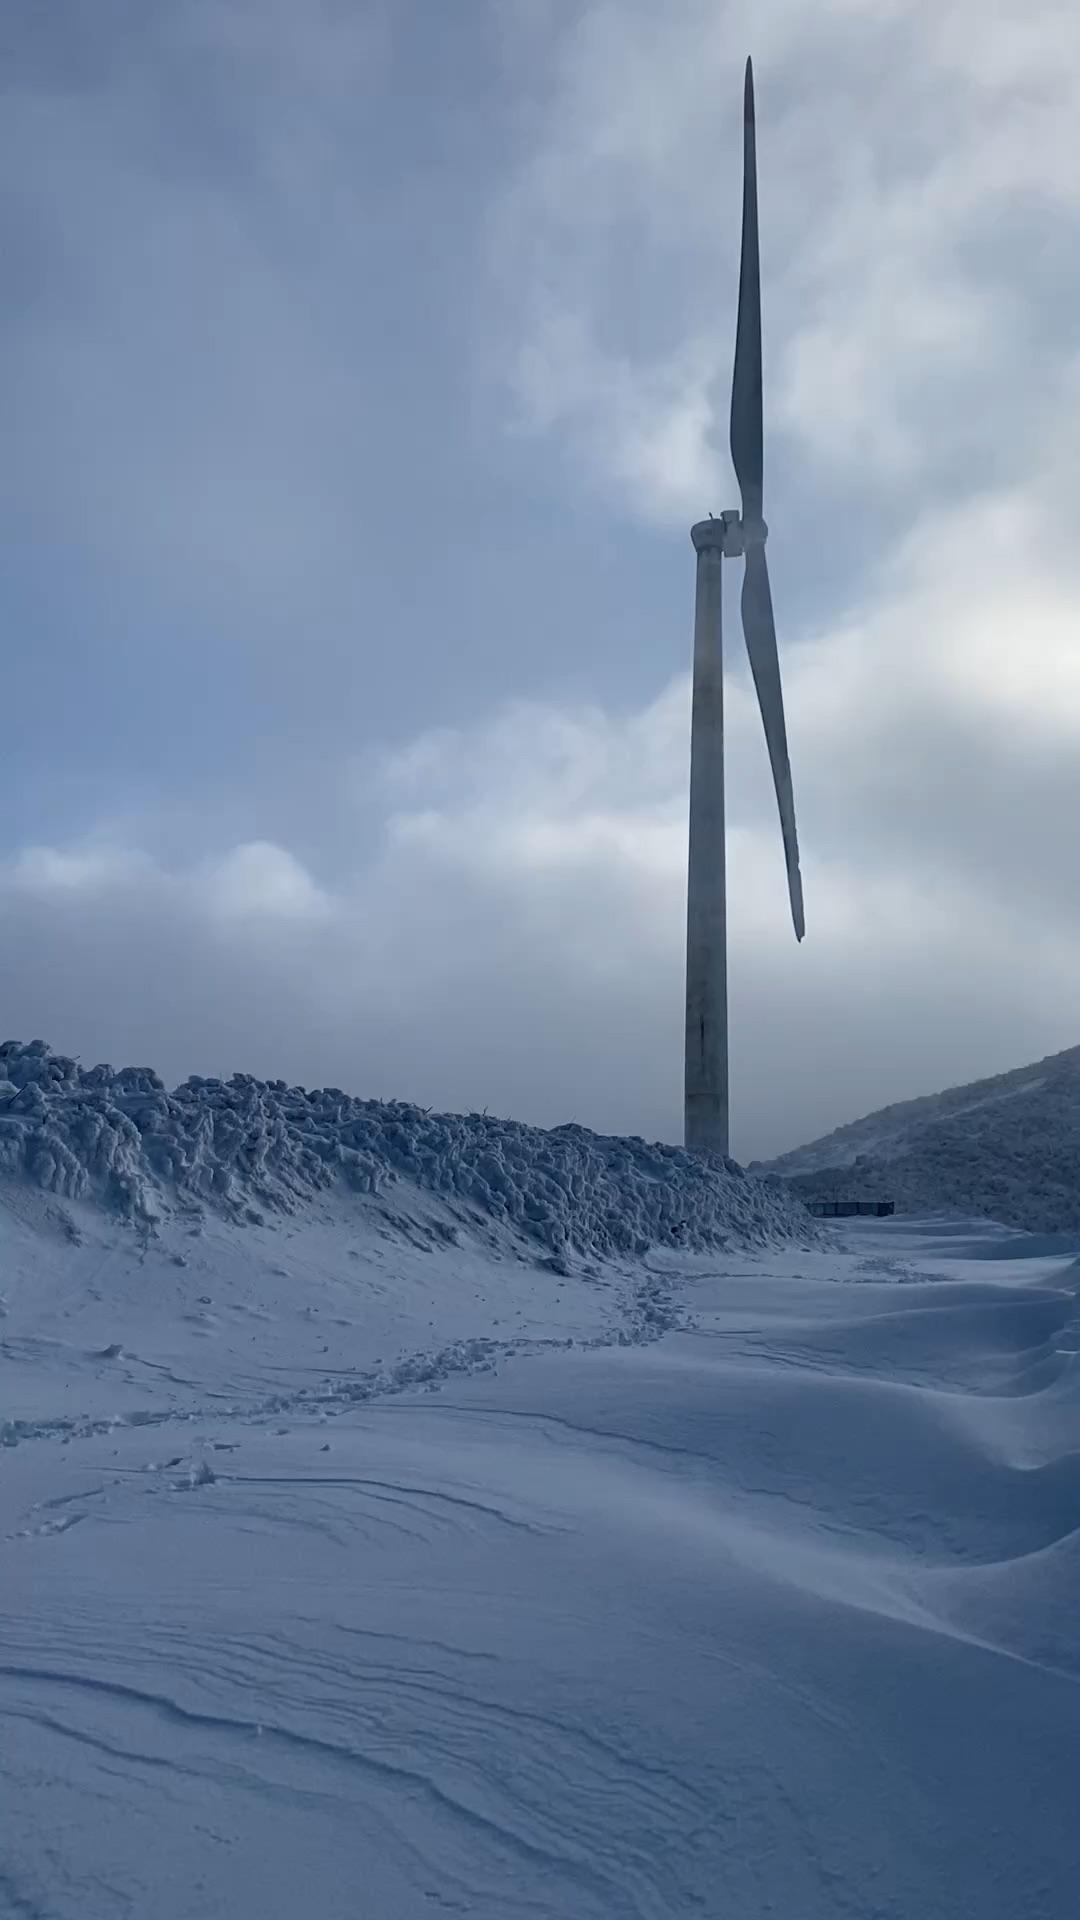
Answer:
(261, 880)
(893, 140)
(76, 869)
(515, 938)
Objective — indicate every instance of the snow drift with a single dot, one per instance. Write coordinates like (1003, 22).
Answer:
(771, 1617)
(1007, 1148)
(120, 1138)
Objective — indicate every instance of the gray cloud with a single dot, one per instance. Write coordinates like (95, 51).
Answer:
(182, 398)
(914, 161)
(491, 912)
(513, 938)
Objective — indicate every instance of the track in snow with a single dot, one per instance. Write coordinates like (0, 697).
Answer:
(773, 1615)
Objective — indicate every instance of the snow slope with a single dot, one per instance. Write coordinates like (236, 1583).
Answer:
(369, 1558)
(1008, 1147)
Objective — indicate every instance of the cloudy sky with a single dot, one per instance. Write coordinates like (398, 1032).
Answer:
(364, 364)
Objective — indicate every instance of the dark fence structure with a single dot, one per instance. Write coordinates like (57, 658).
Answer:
(841, 1209)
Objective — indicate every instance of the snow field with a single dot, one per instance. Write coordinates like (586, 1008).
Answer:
(736, 1584)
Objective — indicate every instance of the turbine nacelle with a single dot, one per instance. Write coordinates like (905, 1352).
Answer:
(728, 533)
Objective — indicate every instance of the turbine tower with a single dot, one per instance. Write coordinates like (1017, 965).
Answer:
(714, 540)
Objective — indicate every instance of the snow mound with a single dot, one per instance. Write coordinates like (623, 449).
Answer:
(1007, 1148)
(123, 1140)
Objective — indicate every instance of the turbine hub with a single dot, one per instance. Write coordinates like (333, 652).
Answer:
(733, 533)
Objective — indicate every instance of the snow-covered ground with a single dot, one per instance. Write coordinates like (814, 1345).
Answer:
(366, 1560)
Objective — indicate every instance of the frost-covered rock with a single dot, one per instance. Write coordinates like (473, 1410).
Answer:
(1008, 1147)
(124, 1141)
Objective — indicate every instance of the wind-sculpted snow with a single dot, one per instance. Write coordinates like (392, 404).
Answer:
(244, 1145)
(773, 1615)
(1007, 1148)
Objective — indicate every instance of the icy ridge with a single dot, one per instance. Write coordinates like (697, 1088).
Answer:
(122, 1139)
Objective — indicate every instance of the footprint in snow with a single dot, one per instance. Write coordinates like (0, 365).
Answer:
(62, 1524)
(200, 1476)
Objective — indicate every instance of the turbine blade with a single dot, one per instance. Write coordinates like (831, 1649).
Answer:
(747, 450)
(759, 629)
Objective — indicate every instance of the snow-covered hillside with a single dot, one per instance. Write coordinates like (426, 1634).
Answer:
(397, 1537)
(1008, 1147)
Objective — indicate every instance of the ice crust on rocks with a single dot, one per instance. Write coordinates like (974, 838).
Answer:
(124, 1141)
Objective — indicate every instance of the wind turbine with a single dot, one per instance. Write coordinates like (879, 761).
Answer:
(733, 534)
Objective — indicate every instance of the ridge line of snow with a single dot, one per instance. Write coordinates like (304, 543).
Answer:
(244, 1145)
